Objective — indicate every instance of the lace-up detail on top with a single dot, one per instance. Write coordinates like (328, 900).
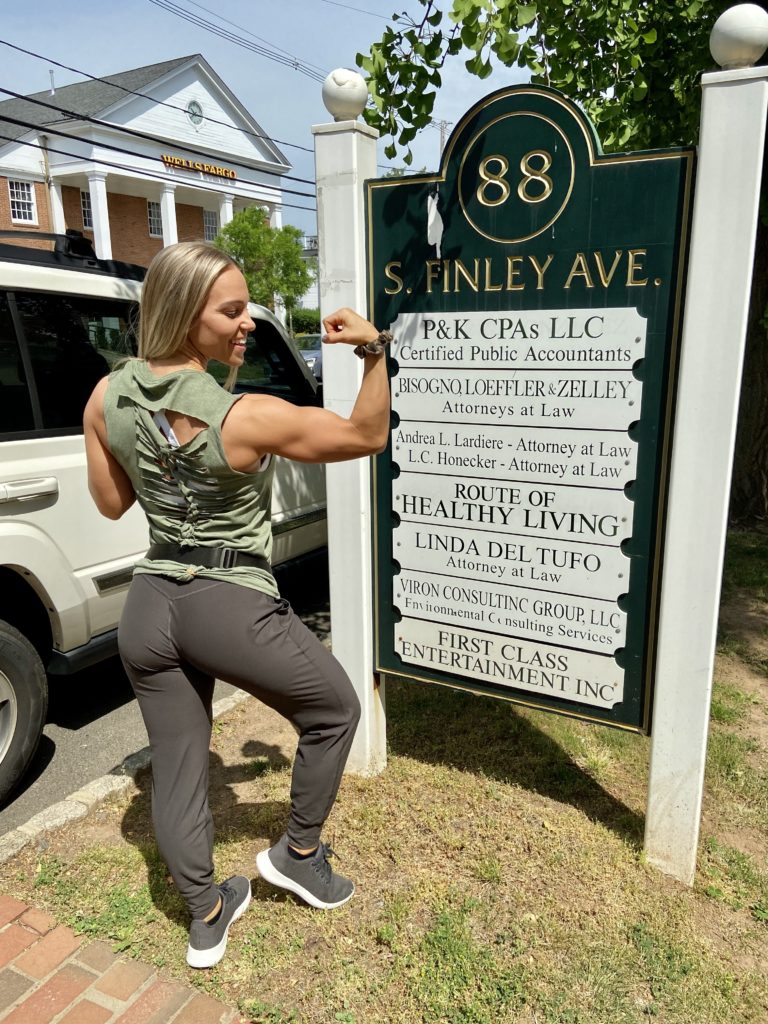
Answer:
(190, 494)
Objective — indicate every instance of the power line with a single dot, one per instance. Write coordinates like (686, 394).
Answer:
(198, 22)
(125, 131)
(47, 130)
(254, 36)
(358, 10)
(146, 96)
(125, 167)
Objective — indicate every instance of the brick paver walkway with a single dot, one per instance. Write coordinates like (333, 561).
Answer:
(49, 975)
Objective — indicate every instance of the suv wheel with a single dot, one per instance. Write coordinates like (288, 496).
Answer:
(23, 705)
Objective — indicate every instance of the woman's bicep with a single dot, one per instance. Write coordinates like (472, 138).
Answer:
(307, 434)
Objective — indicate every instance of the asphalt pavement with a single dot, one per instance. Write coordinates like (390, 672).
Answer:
(94, 721)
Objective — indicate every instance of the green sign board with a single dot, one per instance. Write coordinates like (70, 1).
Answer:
(533, 287)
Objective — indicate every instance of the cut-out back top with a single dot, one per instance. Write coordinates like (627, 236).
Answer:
(189, 493)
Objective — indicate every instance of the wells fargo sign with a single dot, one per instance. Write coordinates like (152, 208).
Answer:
(197, 165)
(533, 289)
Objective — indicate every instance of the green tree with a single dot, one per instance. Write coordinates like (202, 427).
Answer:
(634, 65)
(306, 321)
(270, 258)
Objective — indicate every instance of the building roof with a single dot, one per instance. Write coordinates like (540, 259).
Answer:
(97, 97)
(86, 99)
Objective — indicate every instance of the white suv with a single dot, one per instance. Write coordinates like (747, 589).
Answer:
(65, 318)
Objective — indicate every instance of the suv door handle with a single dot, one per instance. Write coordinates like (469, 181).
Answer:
(15, 490)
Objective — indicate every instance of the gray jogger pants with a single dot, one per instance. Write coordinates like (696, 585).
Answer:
(175, 639)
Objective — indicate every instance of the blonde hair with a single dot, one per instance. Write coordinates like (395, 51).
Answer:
(173, 294)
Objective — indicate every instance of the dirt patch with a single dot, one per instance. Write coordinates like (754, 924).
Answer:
(746, 616)
(753, 682)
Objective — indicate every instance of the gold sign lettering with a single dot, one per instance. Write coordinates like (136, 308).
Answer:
(488, 178)
(635, 266)
(489, 274)
(580, 269)
(535, 174)
(540, 270)
(196, 165)
(389, 271)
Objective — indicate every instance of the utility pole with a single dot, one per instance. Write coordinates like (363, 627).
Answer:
(443, 126)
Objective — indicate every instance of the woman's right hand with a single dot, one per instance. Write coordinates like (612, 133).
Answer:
(346, 327)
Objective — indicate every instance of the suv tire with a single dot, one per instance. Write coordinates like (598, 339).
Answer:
(23, 705)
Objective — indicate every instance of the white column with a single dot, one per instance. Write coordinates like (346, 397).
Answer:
(276, 222)
(225, 210)
(102, 239)
(168, 214)
(58, 223)
(734, 108)
(345, 155)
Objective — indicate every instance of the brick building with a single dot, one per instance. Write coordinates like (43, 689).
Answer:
(197, 157)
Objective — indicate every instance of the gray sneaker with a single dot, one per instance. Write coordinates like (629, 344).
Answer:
(208, 942)
(312, 878)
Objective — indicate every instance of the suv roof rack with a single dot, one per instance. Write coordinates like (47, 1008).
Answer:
(71, 251)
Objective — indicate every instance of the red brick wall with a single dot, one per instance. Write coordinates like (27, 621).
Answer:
(128, 223)
(43, 215)
(189, 223)
(129, 228)
(73, 210)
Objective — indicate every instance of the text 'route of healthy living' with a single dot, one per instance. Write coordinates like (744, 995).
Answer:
(513, 453)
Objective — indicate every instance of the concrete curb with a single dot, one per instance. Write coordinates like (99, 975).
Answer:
(82, 801)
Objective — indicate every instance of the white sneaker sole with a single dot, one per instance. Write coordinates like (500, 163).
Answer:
(202, 958)
(270, 874)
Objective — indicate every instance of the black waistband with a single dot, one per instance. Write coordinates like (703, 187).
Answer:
(210, 558)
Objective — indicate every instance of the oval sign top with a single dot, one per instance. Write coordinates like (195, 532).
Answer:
(516, 177)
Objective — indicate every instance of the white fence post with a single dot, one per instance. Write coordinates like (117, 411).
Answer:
(345, 155)
(733, 120)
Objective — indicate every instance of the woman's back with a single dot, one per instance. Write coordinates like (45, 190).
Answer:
(191, 495)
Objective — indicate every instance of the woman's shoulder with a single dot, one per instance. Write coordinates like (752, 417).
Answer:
(123, 369)
(95, 403)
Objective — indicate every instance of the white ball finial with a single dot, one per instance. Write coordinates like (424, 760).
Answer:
(739, 37)
(345, 94)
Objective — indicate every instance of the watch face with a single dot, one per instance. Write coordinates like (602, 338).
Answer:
(195, 112)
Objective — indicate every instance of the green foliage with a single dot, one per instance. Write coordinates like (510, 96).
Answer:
(306, 321)
(633, 64)
(263, 1013)
(729, 705)
(664, 963)
(270, 258)
(738, 881)
(455, 978)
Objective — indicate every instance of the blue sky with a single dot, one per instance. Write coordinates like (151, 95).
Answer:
(102, 37)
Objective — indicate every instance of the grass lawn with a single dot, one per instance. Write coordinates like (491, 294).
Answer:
(498, 862)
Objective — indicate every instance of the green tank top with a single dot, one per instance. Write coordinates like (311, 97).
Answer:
(190, 494)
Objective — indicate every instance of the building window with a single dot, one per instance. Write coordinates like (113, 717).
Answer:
(155, 220)
(22, 196)
(210, 225)
(85, 207)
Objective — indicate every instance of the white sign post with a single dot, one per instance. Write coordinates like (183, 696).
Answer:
(733, 126)
(734, 110)
(345, 155)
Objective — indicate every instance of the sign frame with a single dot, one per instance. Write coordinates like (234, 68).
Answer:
(655, 480)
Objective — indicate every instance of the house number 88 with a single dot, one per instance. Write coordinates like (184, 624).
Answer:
(530, 173)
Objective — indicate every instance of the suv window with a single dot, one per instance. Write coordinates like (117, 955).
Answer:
(15, 402)
(268, 369)
(72, 342)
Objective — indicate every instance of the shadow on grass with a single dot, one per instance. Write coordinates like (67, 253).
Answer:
(437, 725)
(233, 819)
